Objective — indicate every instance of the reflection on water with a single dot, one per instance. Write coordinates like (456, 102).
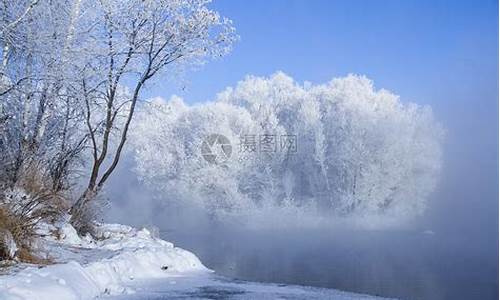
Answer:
(402, 264)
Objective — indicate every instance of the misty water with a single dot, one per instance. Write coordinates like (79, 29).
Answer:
(404, 264)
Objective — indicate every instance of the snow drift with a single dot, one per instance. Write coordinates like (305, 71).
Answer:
(91, 267)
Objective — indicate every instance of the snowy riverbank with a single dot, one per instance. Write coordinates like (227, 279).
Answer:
(87, 268)
(126, 263)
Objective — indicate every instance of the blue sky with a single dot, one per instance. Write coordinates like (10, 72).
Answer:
(418, 49)
(441, 53)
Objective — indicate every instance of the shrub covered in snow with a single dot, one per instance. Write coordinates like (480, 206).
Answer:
(23, 207)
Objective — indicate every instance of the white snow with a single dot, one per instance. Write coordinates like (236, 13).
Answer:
(126, 263)
(89, 268)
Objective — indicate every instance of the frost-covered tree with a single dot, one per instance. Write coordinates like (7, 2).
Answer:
(129, 43)
(40, 136)
(38, 112)
(361, 151)
(72, 72)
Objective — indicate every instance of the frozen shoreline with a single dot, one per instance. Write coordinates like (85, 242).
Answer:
(126, 263)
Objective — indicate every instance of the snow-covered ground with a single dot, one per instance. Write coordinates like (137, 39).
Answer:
(125, 263)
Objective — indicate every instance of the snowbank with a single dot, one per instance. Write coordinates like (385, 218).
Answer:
(90, 267)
